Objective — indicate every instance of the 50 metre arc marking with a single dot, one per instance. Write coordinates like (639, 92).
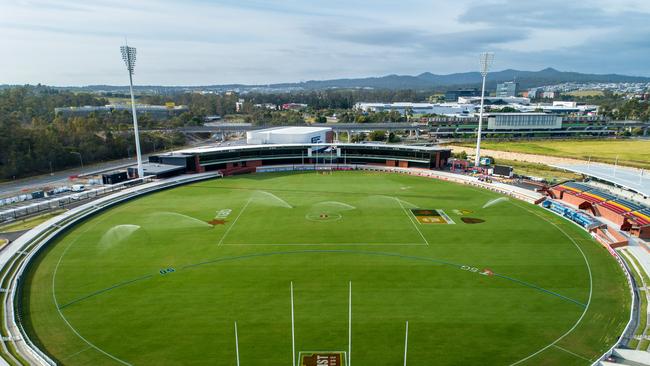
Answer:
(58, 309)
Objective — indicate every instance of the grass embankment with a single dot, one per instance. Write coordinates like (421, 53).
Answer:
(635, 153)
(29, 223)
(538, 170)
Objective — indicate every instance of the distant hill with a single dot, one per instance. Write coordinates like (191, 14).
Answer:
(427, 80)
(424, 81)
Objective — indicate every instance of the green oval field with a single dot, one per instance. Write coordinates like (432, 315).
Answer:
(161, 280)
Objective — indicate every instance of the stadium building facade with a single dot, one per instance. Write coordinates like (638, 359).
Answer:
(246, 158)
(526, 121)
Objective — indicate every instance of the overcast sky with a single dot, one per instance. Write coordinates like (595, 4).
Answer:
(200, 42)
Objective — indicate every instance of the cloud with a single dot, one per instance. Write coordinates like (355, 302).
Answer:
(72, 42)
(548, 14)
(416, 39)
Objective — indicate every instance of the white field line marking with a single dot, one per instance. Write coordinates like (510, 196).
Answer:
(406, 342)
(571, 353)
(329, 244)
(56, 303)
(591, 286)
(412, 222)
(76, 353)
(235, 221)
(293, 331)
(350, 326)
(237, 343)
(445, 217)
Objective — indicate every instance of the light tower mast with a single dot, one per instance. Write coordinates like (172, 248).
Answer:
(485, 62)
(128, 55)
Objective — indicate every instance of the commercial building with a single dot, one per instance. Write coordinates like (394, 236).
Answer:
(560, 107)
(446, 109)
(507, 89)
(550, 94)
(495, 100)
(524, 121)
(453, 95)
(294, 106)
(290, 135)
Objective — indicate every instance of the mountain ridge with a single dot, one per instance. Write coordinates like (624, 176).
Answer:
(422, 81)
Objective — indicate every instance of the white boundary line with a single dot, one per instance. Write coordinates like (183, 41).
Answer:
(235, 221)
(411, 219)
(56, 303)
(591, 287)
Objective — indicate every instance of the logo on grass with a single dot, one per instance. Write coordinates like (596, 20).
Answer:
(431, 216)
(322, 358)
(220, 218)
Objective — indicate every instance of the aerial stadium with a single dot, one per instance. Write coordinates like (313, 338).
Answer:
(297, 248)
(314, 254)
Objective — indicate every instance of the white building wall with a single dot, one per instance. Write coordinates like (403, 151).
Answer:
(288, 135)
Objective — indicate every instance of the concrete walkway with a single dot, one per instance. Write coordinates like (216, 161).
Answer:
(642, 256)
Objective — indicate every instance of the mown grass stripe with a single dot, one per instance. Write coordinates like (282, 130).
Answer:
(104, 290)
(438, 261)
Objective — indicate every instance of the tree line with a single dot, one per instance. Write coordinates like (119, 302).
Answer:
(34, 140)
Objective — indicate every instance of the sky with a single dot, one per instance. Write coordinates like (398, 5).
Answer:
(204, 42)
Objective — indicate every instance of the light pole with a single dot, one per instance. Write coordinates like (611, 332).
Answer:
(128, 55)
(485, 61)
(80, 158)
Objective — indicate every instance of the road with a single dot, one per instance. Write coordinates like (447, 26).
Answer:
(59, 178)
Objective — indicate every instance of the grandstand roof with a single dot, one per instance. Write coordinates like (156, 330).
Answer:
(628, 178)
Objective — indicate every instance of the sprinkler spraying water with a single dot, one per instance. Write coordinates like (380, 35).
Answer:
(494, 202)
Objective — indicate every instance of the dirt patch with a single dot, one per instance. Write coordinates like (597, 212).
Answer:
(217, 222)
(472, 220)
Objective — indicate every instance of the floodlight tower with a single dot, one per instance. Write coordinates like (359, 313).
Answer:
(128, 55)
(485, 61)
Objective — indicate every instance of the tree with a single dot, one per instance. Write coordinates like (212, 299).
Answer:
(377, 136)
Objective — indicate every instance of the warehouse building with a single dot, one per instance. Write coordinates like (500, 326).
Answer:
(290, 135)
(447, 109)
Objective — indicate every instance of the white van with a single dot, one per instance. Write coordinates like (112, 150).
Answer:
(78, 188)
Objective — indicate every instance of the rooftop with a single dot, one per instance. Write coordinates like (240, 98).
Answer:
(294, 130)
(629, 178)
(204, 149)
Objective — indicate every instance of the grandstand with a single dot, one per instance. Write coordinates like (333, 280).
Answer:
(627, 215)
